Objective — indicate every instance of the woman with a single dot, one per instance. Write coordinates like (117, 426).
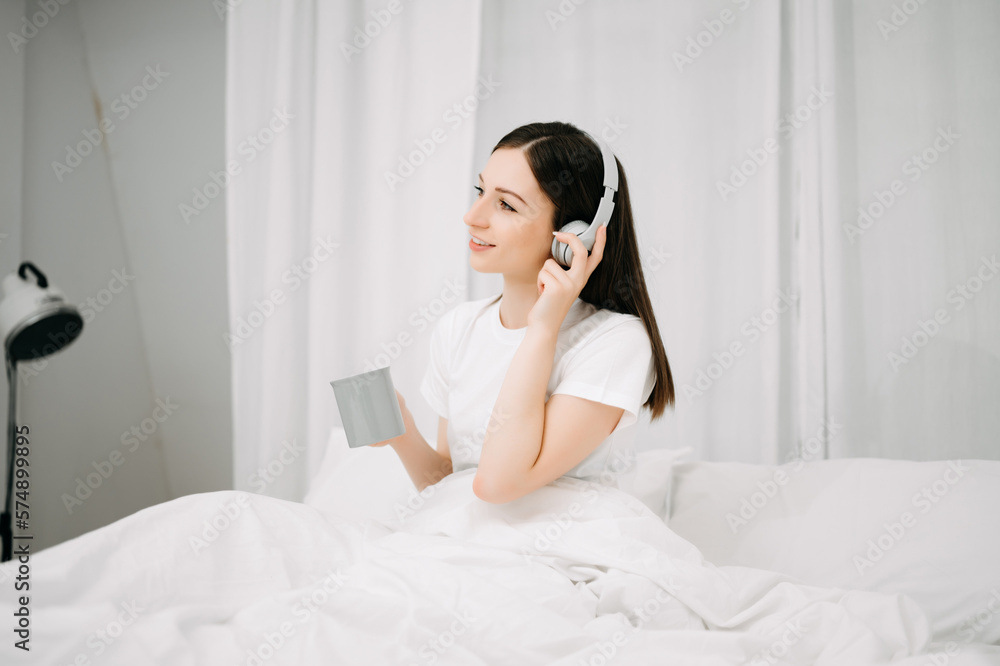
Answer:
(537, 392)
(545, 380)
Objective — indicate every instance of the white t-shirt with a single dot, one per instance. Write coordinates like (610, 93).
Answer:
(600, 355)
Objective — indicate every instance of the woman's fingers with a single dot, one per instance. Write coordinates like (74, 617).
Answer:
(599, 243)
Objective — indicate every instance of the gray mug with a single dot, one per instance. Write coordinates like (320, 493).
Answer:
(369, 408)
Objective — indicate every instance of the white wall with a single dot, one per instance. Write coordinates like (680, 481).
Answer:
(160, 335)
(11, 122)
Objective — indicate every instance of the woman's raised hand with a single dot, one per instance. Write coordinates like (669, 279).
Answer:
(407, 421)
(558, 287)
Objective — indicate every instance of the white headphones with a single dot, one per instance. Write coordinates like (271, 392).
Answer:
(562, 252)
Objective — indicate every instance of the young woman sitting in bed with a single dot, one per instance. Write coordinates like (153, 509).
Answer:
(519, 559)
(547, 379)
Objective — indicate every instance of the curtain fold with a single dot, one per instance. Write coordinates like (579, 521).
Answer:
(909, 227)
(810, 116)
(269, 118)
(344, 231)
(751, 133)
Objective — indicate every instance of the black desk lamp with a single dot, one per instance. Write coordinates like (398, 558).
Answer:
(35, 321)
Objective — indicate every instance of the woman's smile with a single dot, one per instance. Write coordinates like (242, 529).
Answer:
(476, 246)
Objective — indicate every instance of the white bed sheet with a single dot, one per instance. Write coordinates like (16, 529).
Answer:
(574, 573)
(926, 529)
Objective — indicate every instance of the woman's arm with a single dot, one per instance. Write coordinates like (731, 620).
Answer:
(531, 441)
(424, 465)
(514, 437)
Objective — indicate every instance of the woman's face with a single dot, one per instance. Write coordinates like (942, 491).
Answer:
(512, 214)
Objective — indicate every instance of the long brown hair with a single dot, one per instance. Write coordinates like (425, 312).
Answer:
(568, 166)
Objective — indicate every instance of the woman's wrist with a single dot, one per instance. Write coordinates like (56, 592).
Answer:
(542, 331)
(423, 463)
(407, 440)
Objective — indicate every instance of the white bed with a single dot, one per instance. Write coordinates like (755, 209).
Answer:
(367, 571)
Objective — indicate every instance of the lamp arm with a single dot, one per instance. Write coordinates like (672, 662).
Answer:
(43, 282)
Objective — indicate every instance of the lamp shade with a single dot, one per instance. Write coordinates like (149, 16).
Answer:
(35, 319)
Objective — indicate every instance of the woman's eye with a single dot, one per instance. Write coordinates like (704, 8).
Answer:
(504, 204)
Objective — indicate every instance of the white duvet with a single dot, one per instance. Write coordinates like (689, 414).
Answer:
(573, 574)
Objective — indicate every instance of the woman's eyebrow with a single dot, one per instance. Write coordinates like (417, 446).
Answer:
(506, 191)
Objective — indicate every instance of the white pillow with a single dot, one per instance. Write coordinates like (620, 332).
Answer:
(653, 476)
(371, 482)
(862, 524)
(362, 483)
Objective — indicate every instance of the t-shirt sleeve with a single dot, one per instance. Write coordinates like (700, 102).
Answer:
(437, 378)
(615, 368)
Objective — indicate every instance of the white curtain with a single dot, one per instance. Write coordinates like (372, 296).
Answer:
(346, 268)
(911, 287)
(749, 131)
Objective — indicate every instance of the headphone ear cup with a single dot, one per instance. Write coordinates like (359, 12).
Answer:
(562, 252)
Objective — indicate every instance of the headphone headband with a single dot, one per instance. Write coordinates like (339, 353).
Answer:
(607, 205)
(562, 252)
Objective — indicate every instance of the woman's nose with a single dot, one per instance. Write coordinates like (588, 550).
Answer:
(475, 215)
